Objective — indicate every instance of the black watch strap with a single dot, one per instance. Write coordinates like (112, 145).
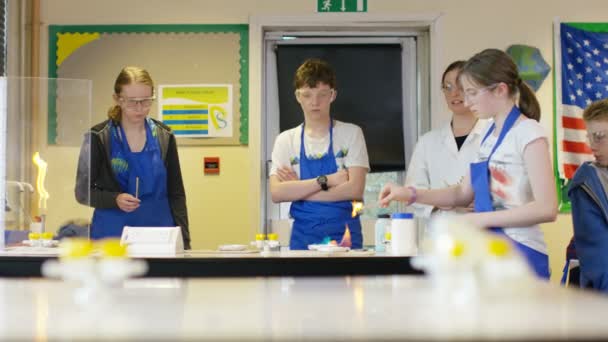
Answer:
(322, 181)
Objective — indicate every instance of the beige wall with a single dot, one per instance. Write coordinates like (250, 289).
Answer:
(226, 208)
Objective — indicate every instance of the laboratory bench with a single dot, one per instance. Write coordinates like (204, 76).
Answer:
(363, 308)
(215, 264)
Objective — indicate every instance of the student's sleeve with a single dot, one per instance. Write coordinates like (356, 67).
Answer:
(87, 190)
(280, 153)
(357, 151)
(176, 191)
(531, 131)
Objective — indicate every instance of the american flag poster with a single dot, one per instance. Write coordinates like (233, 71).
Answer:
(581, 78)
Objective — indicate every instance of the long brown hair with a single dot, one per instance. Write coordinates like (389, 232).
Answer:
(493, 66)
(128, 75)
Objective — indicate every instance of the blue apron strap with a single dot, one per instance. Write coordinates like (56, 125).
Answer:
(133, 166)
(480, 171)
(565, 272)
(508, 124)
(488, 133)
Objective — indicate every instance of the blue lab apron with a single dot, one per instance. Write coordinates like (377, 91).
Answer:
(148, 166)
(313, 220)
(480, 180)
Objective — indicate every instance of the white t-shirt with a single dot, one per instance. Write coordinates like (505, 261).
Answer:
(438, 163)
(349, 147)
(509, 180)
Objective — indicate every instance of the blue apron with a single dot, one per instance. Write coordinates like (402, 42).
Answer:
(313, 220)
(148, 166)
(480, 180)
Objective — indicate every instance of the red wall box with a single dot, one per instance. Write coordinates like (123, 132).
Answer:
(211, 165)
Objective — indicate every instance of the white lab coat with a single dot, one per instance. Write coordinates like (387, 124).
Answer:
(437, 163)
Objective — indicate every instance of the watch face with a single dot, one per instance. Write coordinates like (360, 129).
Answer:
(322, 181)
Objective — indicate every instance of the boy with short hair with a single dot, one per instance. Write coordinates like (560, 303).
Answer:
(319, 166)
(587, 192)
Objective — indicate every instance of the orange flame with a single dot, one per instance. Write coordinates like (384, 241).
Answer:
(357, 208)
(346, 241)
(43, 195)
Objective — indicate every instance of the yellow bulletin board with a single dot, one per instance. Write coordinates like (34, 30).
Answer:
(173, 54)
(196, 110)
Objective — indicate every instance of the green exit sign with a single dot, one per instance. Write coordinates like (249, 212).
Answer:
(341, 6)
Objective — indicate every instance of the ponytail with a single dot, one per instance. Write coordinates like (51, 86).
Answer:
(493, 66)
(528, 104)
(115, 113)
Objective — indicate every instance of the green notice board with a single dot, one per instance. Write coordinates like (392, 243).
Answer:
(341, 6)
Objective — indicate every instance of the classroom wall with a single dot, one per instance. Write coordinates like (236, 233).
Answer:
(226, 208)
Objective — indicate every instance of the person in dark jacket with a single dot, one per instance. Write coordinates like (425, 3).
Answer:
(587, 193)
(128, 168)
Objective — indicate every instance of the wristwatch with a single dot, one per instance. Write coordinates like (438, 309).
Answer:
(322, 181)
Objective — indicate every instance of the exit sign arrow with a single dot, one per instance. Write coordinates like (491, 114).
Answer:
(327, 6)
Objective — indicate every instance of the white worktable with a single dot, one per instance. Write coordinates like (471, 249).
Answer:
(402, 307)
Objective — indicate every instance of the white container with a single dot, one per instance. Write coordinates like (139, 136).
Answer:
(404, 235)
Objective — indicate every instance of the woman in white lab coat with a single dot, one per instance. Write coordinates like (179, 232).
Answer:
(442, 156)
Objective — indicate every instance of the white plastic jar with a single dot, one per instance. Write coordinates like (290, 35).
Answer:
(404, 234)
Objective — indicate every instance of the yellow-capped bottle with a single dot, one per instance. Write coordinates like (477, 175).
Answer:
(273, 242)
(34, 239)
(259, 240)
(46, 239)
(387, 242)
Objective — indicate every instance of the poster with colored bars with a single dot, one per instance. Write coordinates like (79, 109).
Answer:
(197, 110)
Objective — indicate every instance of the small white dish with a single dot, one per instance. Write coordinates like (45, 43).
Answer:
(313, 247)
(333, 249)
(328, 248)
(232, 248)
(40, 243)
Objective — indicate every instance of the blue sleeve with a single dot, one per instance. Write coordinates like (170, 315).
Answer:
(591, 239)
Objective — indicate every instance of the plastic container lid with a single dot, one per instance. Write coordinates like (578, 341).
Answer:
(273, 236)
(75, 248)
(384, 216)
(498, 247)
(112, 248)
(47, 236)
(402, 216)
(34, 236)
(260, 237)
